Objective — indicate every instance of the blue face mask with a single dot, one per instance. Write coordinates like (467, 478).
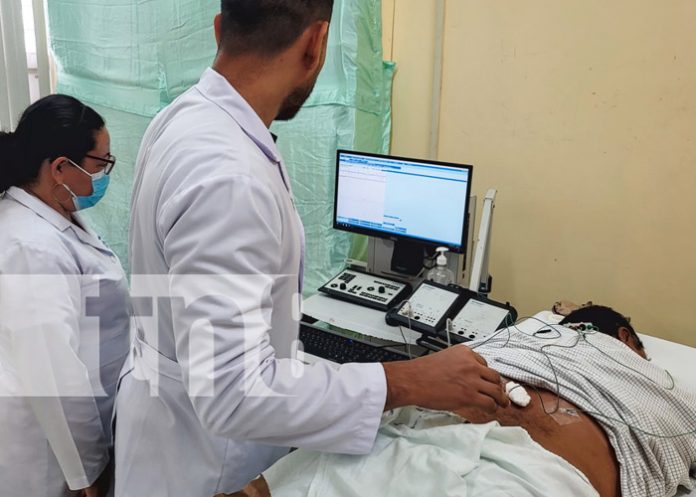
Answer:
(100, 183)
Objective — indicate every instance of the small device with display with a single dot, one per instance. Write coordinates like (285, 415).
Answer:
(432, 305)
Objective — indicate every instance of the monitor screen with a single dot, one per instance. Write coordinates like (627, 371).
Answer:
(399, 198)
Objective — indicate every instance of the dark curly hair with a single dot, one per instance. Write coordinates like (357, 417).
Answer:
(605, 318)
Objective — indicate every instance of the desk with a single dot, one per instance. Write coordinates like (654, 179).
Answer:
(356, 322)
(356, 318)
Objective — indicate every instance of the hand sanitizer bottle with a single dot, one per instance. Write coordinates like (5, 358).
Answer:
(441, 273)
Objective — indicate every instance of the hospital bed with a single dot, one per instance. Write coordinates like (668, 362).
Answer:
(680, 360)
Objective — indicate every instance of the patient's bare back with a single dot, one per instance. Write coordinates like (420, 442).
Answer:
(560, 427)
(555, 424)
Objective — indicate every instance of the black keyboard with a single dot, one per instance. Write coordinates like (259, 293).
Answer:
(342, 349)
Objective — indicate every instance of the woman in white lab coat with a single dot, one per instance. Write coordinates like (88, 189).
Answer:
(64, 305)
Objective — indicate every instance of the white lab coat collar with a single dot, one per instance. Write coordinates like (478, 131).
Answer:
(219, 91)
(41, 209)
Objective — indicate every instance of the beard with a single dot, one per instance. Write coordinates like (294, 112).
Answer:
(294, 102)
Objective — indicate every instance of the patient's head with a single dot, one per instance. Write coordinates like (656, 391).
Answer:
(610, 323)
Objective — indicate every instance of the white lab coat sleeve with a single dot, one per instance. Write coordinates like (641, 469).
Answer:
(233, 226)
(40, 305)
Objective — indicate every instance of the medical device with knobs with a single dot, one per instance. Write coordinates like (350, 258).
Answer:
(366, 289)
(450, 314)
(479, 318)
(428, 308)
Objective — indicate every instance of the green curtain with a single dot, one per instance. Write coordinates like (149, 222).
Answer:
(130, 59)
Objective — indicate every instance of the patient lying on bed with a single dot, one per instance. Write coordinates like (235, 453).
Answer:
(568, 432)
(602, 413)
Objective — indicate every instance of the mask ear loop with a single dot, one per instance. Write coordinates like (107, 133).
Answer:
(65, 187)
(71, 195)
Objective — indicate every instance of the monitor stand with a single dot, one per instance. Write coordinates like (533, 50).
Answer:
(381, 255)
(407, 258)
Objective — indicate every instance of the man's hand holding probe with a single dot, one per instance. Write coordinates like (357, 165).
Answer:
(454, 378)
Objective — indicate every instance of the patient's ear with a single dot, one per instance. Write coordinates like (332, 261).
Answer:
(627, 337)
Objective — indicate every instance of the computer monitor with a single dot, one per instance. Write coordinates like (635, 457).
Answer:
(419, 204)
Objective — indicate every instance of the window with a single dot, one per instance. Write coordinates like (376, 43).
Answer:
(24, 61)
(30, 46)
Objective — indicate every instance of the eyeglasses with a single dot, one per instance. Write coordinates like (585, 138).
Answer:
(109, 162)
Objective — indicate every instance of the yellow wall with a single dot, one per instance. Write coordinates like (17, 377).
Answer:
(583, 116)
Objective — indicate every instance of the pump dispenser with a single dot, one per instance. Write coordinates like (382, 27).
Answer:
(441, 273)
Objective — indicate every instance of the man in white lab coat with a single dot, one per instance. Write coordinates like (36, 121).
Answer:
(212, 396)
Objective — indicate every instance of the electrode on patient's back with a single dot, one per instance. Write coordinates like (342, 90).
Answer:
(566, 415)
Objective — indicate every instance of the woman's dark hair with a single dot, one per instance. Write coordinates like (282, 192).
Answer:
(55, 126)
(605, 318)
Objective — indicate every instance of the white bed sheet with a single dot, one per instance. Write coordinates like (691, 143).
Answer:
(680, 361)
